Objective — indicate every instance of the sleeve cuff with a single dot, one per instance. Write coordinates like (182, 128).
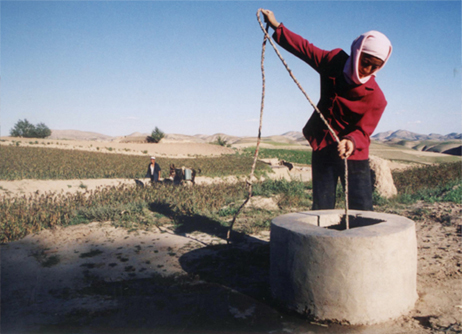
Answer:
(277, 32)
(350, 138)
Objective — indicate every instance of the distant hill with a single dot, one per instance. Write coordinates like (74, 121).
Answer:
(173, 137)
(407, 135)
(77, 135)
(294, 135)
(213, 138)
(447, 144)
(138, 134)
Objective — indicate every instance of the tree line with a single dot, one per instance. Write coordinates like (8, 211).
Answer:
(25, 129)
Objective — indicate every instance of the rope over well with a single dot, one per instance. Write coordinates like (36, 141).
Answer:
(266, 37)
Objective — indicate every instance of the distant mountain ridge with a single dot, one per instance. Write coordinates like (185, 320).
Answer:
(448, 144)
(291, 136)
(407, 135)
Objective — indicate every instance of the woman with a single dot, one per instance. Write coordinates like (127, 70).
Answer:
(352, 103)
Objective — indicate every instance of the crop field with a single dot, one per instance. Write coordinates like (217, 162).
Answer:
(293, 156)
(144, 208)
(431, 182)
(19, 163)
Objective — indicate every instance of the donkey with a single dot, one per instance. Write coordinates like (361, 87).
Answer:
(183, 175)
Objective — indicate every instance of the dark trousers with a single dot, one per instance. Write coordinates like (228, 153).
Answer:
(155, 177)
(327, 168)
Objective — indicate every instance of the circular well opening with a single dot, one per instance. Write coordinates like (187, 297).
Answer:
(353, 222)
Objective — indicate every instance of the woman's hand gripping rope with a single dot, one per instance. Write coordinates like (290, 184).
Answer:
(345, 148)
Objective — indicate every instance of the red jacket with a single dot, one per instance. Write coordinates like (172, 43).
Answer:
(353, 111)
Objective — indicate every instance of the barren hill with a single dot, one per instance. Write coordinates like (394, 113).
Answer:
(78, 135)
(447, 144)
(408, 135)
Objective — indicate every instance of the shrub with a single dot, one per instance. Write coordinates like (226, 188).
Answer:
(417, 179)
(156, 135)
(42, 131)
(433, 183)
(454, 194)
(27, 130)
(222, 142)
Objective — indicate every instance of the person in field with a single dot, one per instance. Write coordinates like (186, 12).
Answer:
(352, 103)
(154, 170)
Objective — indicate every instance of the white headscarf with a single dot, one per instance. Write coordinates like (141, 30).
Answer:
(373, 43)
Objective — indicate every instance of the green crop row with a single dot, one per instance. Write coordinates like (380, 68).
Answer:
(198, 207)
(442, 182)
(419, 178)
(293, 156)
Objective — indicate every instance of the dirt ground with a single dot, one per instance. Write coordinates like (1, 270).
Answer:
(173, 150)
(96, 278)
(29, 186)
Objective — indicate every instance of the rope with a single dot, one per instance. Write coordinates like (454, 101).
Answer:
(249, 181)
(266, 38)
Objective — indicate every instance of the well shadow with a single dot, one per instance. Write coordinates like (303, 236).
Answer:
(187, 224)
(243, 267)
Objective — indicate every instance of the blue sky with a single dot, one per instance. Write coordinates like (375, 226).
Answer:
(193, 67)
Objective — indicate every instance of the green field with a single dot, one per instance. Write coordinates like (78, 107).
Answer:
(302, 157)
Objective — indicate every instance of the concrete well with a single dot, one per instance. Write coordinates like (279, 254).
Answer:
(363, 275)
